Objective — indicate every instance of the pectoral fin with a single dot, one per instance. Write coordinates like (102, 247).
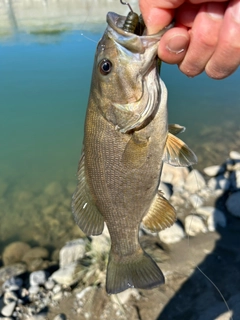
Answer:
(177, 153)
(161, 214)
(86, 214)
(175, 129)
(135, 153)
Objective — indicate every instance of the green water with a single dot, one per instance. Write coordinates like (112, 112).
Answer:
(44, 86)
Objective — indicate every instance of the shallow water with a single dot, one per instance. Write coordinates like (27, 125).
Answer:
(44, 86)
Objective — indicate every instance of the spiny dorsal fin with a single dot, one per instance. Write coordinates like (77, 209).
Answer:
(135, 153)
(161, 214)
(177, 153)
(175, 129)
(86, 214)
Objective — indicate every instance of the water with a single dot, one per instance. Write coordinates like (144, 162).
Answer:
(44, 87)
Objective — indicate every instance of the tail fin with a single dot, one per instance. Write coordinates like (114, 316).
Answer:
(140, 272)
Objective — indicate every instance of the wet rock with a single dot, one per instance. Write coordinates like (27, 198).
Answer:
(194, 225)
(60, 316)
(234, 155)
(35, 253)
(12, 271)
(68, 275)
(233, 204)
(53, 189)
(12, 284)
(72, 251)
(213, 171)
(7, 310)
(37, 278)
(194, 181)
(172, 235)
(14, 252)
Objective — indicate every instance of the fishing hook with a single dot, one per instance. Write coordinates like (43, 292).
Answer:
(127, 4)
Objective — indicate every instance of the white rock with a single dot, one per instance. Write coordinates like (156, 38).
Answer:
(7, 310)
(37, 278)
(33, 289)
(172, 235)
(49, 284)
(194, 225)
(101, 244)
(68, 274)
(124, 296)
(219, 182)
(80, 295)
(212, 171)
(9, 297)
(12, 284)
(57, 288)
(195, 200)
(213, 216)
(225, 316)
(165, 189)
(224, 184)
(174, 175)
(233, 204)
(72, 251)
(194, 181)
(234, 155)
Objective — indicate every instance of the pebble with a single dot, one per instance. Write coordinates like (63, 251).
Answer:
(196, 200)
(57, 296)
(57, 288)
(49, 284)
(172, 235)
(194, 181)
(38, 278)
(194, 225)
(80, 295)
(213, 171)
(233, 204)
(9, 297)
(72, 251)
(33, 289)
(60, 316)
(234, 155)
(7, 310)
(12, 284)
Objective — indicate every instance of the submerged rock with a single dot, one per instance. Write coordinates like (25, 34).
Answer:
(14, 252)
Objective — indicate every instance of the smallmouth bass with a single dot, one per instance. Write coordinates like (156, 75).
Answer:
(126, 141)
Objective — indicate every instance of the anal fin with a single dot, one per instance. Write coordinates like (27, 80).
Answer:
(161, 214)
(86, 214)
(177, 153)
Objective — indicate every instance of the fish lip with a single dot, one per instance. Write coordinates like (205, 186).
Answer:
(131, 41)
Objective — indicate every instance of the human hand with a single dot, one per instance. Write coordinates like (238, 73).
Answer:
(206, 35)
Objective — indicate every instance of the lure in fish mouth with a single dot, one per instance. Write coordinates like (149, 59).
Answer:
(126, 141)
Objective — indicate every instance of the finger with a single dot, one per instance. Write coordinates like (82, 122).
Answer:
(204, 38)
(158, 13)
(187, 13)
(226, 57)
(173, 45)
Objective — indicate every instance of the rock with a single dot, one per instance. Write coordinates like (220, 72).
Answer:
(49, 284)
(101, 244)
(72, 251)
(234, 155)
(53, 189)
(174, 175)
(124, 296)
(35, 253)
(7, 310)
(235, 179)
(60, 316)
(12, 284)
(14, 252)
(165, 189)
(68, 275)
(195, 200)
(37, 278)
(33, 289)
(214, 217)
(219, 182)
(80, 294)
(172, 235)
(9, 297)
(12, 271)
(213, 171)
(194, 225)
(233, 204)
(57, 288)
(194, 181)
(225, 316)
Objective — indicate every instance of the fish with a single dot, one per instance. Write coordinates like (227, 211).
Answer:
(126, 141)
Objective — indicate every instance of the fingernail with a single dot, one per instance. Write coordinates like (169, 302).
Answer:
(177, 44)
(235, 10)
(215, 10)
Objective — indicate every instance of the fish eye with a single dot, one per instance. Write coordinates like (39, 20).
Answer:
(105, 66)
